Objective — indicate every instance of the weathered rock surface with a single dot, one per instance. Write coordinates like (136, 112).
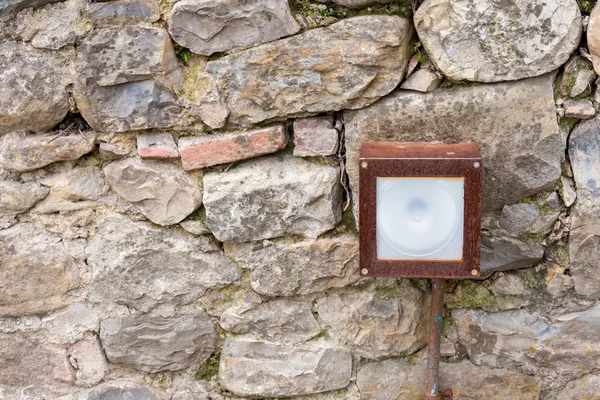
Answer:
(156, 343)
(205, 151)
(29, 100)
(577, 78)
(503, 253)
(505, 41)
(136, 265)
(117, 389)
(263, 369)
(400, 380)
(124, 12)
(36, 271)
(17, 197)
(162, 192)
(423, 80)
(349, 64)
(375, 326)
(271, 196)
(72, 323)
(208, 26)
(315, 136)
(195, 226)
(275, 320)
(299, 268)
(517, 218)
(521, 146)
(581, 109)
(10, 8)
(586, 387)
(89, 362)
(357, 3)
(111, 152)
(593, 37)
(157, 145)
(568, 194)
(22, 152)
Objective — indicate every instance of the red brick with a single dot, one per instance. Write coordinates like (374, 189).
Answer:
(157, 146)
(205, 151)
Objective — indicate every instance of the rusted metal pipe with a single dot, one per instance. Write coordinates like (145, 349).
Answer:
(433, 348)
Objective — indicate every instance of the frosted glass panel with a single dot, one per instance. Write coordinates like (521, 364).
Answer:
(420, 218)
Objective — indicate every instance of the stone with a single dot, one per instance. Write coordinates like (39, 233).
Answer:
(376, 326)
(72, 190)
(423, 80)
(36, 271)
(504, 253)
(73, 323)
(521, 147)
(349, 64)
(577, 77)
(206, 151)
(208, 26)
(30, 101)
(271, 196)
(262, 369)
(156, 343)
(88, 360)
(299, 268)
(516, 219)
(161, 191)
(581, 109)
(9, 8)
(136, 265)
(185, 389)
(124, 12)
(281, 320)
(569, 195)
(195, 226)
(584, 154)
(110, 152)
(117, 389)
(315, 136)
(401, 380)
(505, 42)
(18, 197)
(586, 387)
(157, 146)
(357, 3)
(20, 152)
(593, 37)
(508, 284)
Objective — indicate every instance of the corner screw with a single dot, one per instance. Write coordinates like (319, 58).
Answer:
(365, 271)
(364, 164)
(474, 272)
(476, 164)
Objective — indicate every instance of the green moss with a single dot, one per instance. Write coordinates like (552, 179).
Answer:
(566, 124)
(471, 294)
(392, 291)
(446, 323)
(349, 221)
(209, 369)
(183, 54)
(586, 6)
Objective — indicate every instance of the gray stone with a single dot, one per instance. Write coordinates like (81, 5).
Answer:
(89, 362)
(506, 41)
(349, 64)
(577, 77)
(581, 109)
(504, 253)
(162, 192)
(271, 196)
(279, 319)
(142, 267)
(36, 271)
(209, 26)
(29, 100)
(125, 389)
(315, 136)
(110, 152)
(71, 324)
(124, 12)
(593, 37)
(195, 226)
(17, 197)
(22, 152)
(155, 343)
(376, 326)
(185, 389)
(8, 8)
(569, 195)
(157, 145)
(516, 219)
(521, 146)
(423, 80)
(586, 387)
(357, 3)
(584, 154)
(262, 369)
(508, 284)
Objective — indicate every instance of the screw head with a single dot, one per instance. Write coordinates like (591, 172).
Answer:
(364, 164)
(365, 271)
(476, 164)
(474, 272)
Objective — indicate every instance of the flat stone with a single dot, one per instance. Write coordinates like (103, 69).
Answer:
(423, 80)
(29, 100)
(593, 37)
(195, 226)
(279, 319)
(209, 26)
(188, 389)
(271, 196)
(124, 12)
(505, 42)
(142, 267)
(521, 147)
(586, 387)
(89, 362)
(504, 253)
(262, 369)
(375, 326)
(111, 152)
(315, 136)
(17, 197)
(516, 219)
(205, 151)
(508, 284)
(155, 343)
(349, 64)
(581, 109)
(117, 389)
(569, 194)
(162, 192)
(9, 8)
(36, 271)
(299, 268)
(157, 146)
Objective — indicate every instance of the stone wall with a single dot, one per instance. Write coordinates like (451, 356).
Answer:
(176, 197)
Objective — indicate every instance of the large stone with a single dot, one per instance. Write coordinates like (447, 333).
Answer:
(593, 37)
(17, 197)
(299, 268)
(376, 326)
(491, 41)
(262, 369)
(125, 389)
(400, 380)
(349, 64)
(210, 26)
(163, 192)
(36, 271)
(504, 253)
(521, 146)
(31, 100)
(124, 12)
(142, 267)
(155, 343)
(271, 196)
(586, 387)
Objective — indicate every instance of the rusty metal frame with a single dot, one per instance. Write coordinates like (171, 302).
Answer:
(396, 159)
